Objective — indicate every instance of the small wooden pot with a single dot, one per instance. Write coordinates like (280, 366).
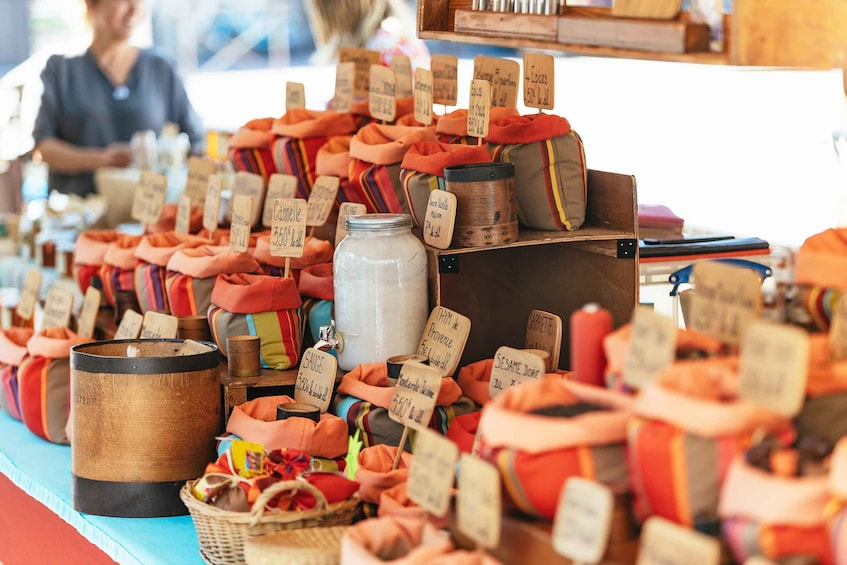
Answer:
(242, 353)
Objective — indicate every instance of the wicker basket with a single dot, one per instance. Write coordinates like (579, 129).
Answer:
(306, 546)
(222, 533)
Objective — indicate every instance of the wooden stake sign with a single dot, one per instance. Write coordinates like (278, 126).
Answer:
(212, 205)
(414, 398)
(513, 367)
(652, 346)
(666, 543)
(402, 67)
(478, 501)
(321, 200)
(838, 331)
(295, 95)
(252, 185)
(444, 339)
(288, 229)
(726, 300)
(29, 295)
(774, 366)
(382, 100)
(362, 60)
(345, 76)
(583, 520)
(280, 186)
(88, 315)
(196, 185)
(130, 326)
(440, 219)
(149, 199)
(479, 109)
(183, 215)
(315, 378)
(344, 211)
(539, 79)
(544, 332)
(503, 75)
(156, 325)
(239, 229)
(445, 79)
(423, 96)
(57, 308)
(430, 482)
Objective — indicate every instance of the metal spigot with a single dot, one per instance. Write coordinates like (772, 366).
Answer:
(328, 338)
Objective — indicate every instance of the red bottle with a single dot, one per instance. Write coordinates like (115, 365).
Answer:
(588, 326)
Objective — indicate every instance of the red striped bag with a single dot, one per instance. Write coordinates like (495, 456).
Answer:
(12, 351)
(333, 159)
(118, 269)
(89, 250)
(249, 148)
(153, 253)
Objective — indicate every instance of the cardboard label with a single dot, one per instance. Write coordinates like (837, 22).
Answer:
(279, 186)
(382, 98)
(423, 96)
(652, 346)
(198, 179)
(415, 395)
(315, 378)
(156, 325)
(130, 326)
(539, 78)
(321, 200)
(479, 108)
(444, 339)
(503, 75)
(774, 366)
(583, 520)
(88, 315)
(347, 209)
(239, 229)
(57, 308)
(513, 367)
(544, 332)
(149, 199)
(295, 95)
(362, 60)
(191, 347)
(478, 501)
(212, 206)
(288, 227)
(430, 482)
(29, 294)
(252, 185)
(665, 543)
(726, 300)
(345, 76)
(440, 219)
(445, 79)
(183, 215)
(402, 67)
(838, 331)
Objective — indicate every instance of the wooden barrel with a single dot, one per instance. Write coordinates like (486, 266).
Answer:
(140, 426)
(486, 203)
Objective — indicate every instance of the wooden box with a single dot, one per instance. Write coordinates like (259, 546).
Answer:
(497, 286)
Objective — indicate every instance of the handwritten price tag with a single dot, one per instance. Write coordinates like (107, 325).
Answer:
(652, 347)
(726, 300)
(415, 395)
(665, 543)
(423, 96)
(478, 501)
(183, 215)
(149, 199)
(29, 294)
(57, 308)
(539, 78)
(440, 219)
(583, 520)
(295, 95)
(252, 185)
(88, 314)
(479, 109)
(382, 98)
(402, 67)
(513, 367)
(838, 331)
(431, 474)
(191, 347)
(774, 366)
(503, 75)
(288, 227)
(130, 326)
(444, 339)
(315, 378)
(363, 60)
(345, 76)
(445, 78)
(199, 170)
(321, 200)
(544, 332)
(279, 186)
(239, 232)
(344, 211)
(156, 325)
(212, 206)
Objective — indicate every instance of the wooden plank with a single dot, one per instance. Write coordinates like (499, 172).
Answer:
(612, 201)
(652, 9)
(504, 24)
(645, 35)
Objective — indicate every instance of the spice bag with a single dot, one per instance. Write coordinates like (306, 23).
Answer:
(167, 221)
(422, 171)
(835, 512)
(192, 273)
(772, 516)
(12, 351)
(364, 396)
(315, 286)
(453, 127)
(258, 305)
(315, 251)
(542, 433)
(820, 277)
(249, 148)
(688, 425)
(255, 421)
(153, 253)
(44, 381)
(333, 159)
(118, 268)
(89, 251)
(551, 178)
(376, 152)
(822, 414)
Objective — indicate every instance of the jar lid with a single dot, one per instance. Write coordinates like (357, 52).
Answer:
(476, 172)
(378, 222)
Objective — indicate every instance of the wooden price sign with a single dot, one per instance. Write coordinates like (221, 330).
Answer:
(503, 75)
(315, 378)
(478, 501)
(239, 232)
(513, 367)
(344, 211)
(321, 200)
(413, 401)
(402, 67)
(652, 346)
(539, 77)
(183, 215)
(155, 325)
(212, 205)
(57, 308)
(149, 199)
(544, 332)
(430, 482)
(838, 331)
(280, 186)
(197, 183)
(362, 60)
(774, 366)
(726, 300)
(445, 79)
(191, 347)
(29, 294)
(423, 96)
(295, 95)
(88, 315)
(479, 109)
(382, 100)
(345, 76)
(130, 326)
(583, 520)
(665, 543)
(444, 339)
(288, 228)
(440, 219)
(252, 185)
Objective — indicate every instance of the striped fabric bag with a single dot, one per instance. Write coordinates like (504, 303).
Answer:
(260, 305)
(452, 127)
(822, 414)
(249, 148)
(153, 253)
(118, 269)
(12, 351)
(315, 251)
(89, 250)
(333, 159)
(820, 277)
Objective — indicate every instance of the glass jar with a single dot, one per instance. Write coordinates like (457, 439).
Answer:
(380, 283)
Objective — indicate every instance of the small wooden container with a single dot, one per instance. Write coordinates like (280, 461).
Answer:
(298, 410)
(486, 203)
(395, 362)
(242, 353)
(193, 327)
(125, 300)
